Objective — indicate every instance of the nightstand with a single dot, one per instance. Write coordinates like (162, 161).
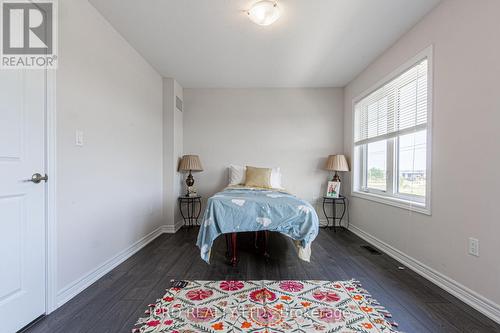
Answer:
(341, 200)
(190, 208)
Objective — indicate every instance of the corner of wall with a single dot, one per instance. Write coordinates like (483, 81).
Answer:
(172, 152)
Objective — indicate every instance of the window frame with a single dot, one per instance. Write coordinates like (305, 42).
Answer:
(359, 166)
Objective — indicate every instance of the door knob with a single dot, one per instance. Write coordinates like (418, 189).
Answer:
(37, 178)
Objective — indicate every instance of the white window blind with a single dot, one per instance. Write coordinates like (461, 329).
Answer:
(398, 107)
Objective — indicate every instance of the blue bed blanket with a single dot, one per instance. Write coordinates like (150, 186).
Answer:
(247, 209)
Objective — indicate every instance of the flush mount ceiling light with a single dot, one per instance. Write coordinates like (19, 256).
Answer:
(264, 12)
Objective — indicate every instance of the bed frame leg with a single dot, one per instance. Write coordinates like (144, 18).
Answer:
(266, 242)
(228, 246)
(234, 247)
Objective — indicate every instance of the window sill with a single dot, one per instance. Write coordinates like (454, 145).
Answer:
(396, 202)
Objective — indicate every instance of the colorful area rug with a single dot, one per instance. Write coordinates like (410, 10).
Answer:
(265, 307)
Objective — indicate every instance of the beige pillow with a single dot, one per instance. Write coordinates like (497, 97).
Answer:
(258, 177)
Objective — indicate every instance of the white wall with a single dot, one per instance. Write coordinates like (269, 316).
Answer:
(466, 146)
(295, 129)
(172, 152)
(178, 149)
(109, 191)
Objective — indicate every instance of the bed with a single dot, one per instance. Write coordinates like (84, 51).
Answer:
(245, 209)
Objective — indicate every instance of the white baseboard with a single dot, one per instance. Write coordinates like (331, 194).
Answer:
(323, 222)
(172, 229)
(468, 296)
(76, 287)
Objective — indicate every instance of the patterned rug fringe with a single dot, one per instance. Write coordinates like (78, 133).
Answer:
(374, 303)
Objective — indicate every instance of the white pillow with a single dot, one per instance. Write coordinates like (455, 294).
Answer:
(276, 178)
(237, 174)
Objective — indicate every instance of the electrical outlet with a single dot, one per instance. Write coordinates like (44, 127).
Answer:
(474, 246)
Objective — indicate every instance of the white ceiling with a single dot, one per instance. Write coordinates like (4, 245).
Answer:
(212, 43)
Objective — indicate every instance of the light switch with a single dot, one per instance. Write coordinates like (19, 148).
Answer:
(79, 138)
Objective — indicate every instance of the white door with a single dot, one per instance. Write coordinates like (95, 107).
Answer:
(22, 202)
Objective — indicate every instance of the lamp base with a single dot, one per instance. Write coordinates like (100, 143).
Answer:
(336, 177)
(189, 182)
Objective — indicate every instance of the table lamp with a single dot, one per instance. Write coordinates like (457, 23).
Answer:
(190, 163)
(336, 163)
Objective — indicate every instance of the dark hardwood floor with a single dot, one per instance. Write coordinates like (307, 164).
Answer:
(115, 302)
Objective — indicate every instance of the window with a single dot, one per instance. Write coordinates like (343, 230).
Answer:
(412, 164)
(376, 165)
(391, 156)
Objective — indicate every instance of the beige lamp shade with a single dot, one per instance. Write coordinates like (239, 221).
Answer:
(336, 163)
(190, 163)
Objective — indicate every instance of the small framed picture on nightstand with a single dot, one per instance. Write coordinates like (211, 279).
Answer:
(192, 192)
(333, 189)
